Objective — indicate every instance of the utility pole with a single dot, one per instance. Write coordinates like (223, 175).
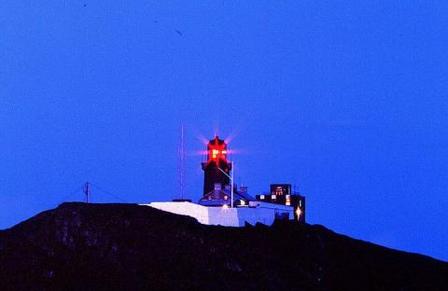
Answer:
(231, 185)
(231, 182)
(87, 191)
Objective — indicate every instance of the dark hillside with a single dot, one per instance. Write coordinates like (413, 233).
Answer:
(81, 246)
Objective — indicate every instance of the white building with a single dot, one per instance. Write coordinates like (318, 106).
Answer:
(254, 212)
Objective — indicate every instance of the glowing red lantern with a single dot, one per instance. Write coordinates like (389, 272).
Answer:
(217, 150)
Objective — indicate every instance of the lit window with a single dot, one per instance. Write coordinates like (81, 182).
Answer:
(242, 202)
(273, 197)
(288, 200)
(278, 190)
(262, 197)
(298, 213)
(226, 197)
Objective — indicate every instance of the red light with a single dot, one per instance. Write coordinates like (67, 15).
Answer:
(217, 150)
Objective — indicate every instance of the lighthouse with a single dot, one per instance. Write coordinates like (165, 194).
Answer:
(217, 169)
(223, 203)
(217, 166)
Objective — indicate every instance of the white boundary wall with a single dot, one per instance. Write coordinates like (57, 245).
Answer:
(256, 212)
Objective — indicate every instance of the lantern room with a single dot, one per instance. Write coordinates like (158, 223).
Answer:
(217, 150)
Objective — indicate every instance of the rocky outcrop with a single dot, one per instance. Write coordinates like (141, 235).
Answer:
(81, 246)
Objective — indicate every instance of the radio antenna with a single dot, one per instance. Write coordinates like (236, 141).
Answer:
(181, 162)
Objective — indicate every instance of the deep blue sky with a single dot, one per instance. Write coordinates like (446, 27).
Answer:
(345, 99)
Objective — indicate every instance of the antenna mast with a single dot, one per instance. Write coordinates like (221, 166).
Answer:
(87, 191)
(181, 165)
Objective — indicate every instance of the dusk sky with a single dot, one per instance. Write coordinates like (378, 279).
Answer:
(347, 100)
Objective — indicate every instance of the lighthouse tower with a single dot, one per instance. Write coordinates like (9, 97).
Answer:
(217, 172)
(216, 163)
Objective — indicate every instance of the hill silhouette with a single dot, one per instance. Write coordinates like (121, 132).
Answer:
(80, 246)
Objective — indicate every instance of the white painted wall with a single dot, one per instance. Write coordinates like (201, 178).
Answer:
(184, 208)
(261, 212)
